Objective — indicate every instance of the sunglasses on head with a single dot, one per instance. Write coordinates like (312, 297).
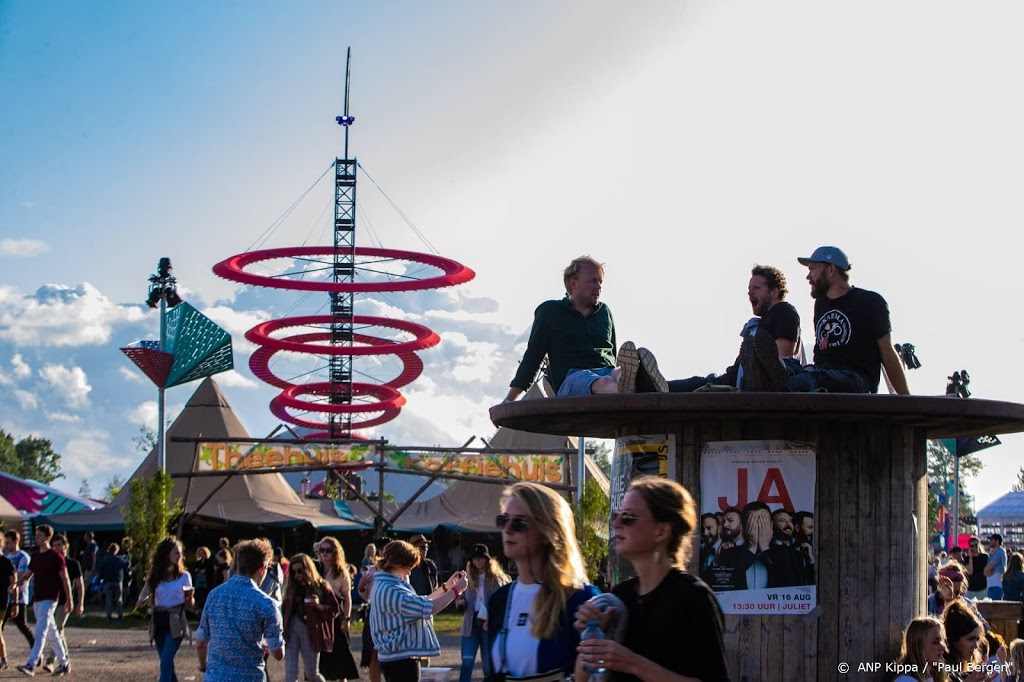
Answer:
(626, 518)
(517, 524)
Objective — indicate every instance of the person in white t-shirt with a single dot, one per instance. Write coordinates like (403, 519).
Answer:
(170, 585)
(530, 621)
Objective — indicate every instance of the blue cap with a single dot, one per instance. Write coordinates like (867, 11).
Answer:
(832, 255)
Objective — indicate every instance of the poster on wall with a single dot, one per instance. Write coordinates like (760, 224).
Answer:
(757, 547)
(635, 456)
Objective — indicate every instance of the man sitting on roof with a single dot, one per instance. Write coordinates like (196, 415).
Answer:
(851, 332)
(577, 334)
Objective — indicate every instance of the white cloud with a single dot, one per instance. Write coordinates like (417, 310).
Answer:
(89, 453)
(21, 368)
(64, 417)
(58, 315)
(135, 376)
(71, 383)
(26, 399)
(22, 248)
(144, 414)
(233, 379)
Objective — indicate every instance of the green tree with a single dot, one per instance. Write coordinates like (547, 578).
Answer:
(145, 441)
(591, 515)
(941, 463)
(113, 487)
(602, 457)
(149, 514)
(85, 490)
(1018, 487)
(29, 457)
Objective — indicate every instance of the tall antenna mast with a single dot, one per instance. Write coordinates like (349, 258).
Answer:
(342, 300)
(346, 119)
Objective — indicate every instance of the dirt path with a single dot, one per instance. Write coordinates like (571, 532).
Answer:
(123, 655)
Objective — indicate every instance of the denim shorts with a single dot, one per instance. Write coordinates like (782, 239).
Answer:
(578, 381)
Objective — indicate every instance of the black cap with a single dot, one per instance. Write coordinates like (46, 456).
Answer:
(996, 536)
(479, 550)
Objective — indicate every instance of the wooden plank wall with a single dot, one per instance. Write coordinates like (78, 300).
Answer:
(870, 558)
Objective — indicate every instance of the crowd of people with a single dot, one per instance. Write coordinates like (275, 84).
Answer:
(954, 642)
(298, 610)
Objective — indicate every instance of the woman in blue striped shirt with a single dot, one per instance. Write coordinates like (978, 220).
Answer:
(399, 618)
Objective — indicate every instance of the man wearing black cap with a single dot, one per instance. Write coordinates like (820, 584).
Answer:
(996, 567)
(851, 332)
(423, 578)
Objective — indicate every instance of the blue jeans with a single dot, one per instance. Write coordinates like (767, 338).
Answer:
(167, 649)
(995, 593)
(112, 595)
(476, 640)
(810, 378)
(578, 381)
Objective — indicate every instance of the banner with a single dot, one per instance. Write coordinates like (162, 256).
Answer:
(269, 455)
(757, 526)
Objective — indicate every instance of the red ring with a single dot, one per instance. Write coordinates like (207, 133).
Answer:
(234, 269)
(425, 338)
(259, 361)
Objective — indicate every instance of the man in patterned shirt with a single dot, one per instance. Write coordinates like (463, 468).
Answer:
(238, 620)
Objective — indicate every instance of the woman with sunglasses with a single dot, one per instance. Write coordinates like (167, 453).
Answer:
(530, 621)
(401, 619)
(310, 608)
(338, 663)
(674, 626)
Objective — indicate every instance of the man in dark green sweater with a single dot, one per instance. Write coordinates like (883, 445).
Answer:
(577, 334)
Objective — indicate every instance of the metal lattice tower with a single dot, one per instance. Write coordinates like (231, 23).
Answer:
(346, 270)
(342, 308)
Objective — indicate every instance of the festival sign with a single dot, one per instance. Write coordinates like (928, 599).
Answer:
(757, 526)
(239, 456)
(242, 456)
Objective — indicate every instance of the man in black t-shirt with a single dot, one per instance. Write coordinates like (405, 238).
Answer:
(851, 332)
(772, 335)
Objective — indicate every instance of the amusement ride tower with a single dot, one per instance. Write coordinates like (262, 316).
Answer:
(336, 405)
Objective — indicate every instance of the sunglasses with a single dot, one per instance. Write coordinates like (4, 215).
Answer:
(627, 518)
(516, 524)
(325, 550)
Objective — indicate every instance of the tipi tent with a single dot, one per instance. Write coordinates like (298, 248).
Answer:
(263, 499)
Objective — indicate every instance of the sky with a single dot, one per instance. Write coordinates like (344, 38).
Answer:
(678, 142)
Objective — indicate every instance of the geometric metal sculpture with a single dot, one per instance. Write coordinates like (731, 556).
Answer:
(153, 362)
(200, 348)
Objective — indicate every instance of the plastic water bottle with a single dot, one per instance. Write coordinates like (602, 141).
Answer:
(593, 631)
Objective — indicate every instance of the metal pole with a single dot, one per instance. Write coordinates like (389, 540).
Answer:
(956, 497)
(161, 437)
(581, 469)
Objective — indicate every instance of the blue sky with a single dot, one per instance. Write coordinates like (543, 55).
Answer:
(677, 142)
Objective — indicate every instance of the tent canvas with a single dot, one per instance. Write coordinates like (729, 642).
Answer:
(469, 506)
(264, 499)
(32, 498)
